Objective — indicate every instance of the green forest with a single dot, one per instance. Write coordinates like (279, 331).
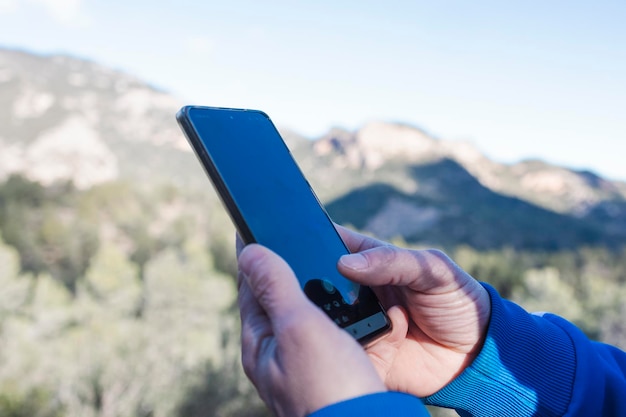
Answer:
(118, 300)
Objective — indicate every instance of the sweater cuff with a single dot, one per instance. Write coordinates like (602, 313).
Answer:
(381, 404)
(525, 368)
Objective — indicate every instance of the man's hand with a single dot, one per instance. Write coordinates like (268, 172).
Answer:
(439, 313)
(297, 358)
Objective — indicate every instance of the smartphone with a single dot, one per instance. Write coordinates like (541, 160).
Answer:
(271, 203)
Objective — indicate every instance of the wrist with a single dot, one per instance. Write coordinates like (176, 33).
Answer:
(502, 372)
(482, 304)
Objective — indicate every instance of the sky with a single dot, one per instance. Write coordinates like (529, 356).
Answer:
(532, 79)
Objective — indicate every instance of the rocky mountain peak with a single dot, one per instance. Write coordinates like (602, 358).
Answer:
(377, 143)
(381, 141)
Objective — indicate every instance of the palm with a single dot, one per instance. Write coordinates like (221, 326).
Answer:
(425, 350)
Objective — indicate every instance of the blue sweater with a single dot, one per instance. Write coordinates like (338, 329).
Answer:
(529, 366)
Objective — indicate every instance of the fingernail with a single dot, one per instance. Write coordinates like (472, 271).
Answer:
(354, 261)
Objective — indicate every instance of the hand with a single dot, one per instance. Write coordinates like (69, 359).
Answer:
(297, 358)
(439, 313)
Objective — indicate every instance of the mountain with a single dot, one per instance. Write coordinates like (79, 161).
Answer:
(409, 184)
(553, 187)
(66, 118)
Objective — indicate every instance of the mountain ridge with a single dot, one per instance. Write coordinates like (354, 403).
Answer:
(63, 118)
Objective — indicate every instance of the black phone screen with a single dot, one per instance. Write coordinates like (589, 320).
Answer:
(272, 203)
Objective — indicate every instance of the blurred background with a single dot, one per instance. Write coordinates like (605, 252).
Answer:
(493, 131)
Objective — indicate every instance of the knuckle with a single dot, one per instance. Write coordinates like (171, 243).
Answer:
(247, 351)
(260, 280)
(387, 254)
(440, 268)
(248, 363)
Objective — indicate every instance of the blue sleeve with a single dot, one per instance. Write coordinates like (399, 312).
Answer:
(382, 404)
(537, 366)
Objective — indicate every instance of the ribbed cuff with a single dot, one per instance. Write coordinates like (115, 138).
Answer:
(525, 368)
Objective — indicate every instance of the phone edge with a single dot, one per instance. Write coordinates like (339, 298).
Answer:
(209, 168)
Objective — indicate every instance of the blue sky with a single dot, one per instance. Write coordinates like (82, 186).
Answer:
(532, 79)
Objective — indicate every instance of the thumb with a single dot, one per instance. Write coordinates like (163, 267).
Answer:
(271, 280)
(420, 270)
